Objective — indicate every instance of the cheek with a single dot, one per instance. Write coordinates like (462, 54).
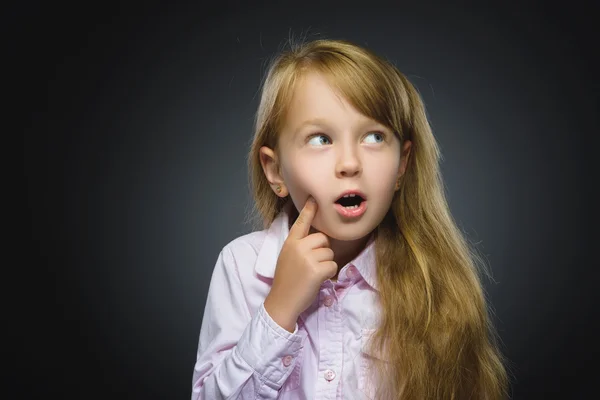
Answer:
(303, 182)
(303, 179)
(382, 173)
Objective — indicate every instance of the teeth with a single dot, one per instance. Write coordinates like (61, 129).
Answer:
(350, 195)
(350, 207)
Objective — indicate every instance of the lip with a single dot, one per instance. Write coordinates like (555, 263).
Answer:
(356, 192)
(352, 213)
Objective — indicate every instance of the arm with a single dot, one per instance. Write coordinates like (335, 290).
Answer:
(239, 355)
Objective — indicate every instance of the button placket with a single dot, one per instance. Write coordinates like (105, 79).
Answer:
(330, 347)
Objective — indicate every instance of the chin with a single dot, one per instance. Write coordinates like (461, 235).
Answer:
(346, 238)
(345, 234)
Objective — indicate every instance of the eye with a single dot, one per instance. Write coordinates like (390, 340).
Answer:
(318, 140)
(379, 137)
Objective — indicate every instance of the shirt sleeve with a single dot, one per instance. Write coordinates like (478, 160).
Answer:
(240, 356)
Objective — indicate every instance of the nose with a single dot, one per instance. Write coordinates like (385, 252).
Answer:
(348, 163)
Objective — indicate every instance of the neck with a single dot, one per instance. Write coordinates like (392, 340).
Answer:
(344, 251)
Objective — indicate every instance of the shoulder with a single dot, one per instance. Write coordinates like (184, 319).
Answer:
(237, 268)
(238, 256)
(245, 247)
(255, 254)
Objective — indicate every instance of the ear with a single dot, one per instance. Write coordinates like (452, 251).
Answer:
(270, 166)
(406, 147)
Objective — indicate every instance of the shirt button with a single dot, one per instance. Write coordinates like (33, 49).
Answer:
(328, 301)
(351, 271)
(287, 360)
(329, 375)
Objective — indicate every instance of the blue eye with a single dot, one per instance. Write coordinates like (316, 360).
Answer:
(379, 137)
(319, 141)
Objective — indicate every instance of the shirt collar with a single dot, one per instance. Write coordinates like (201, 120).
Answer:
(277, 233)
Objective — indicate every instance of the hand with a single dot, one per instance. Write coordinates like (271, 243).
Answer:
(304, 263)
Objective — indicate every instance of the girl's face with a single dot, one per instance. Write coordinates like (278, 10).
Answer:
(327, 148)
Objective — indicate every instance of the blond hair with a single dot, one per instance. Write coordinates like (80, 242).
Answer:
(435, 327)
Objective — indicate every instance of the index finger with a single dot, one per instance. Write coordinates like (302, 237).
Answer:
(301, 226)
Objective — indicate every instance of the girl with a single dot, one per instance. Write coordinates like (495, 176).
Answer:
(359, 284)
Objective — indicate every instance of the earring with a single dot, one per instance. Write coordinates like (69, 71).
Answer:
(278, 189)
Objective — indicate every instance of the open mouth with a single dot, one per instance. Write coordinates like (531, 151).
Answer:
(350, 201)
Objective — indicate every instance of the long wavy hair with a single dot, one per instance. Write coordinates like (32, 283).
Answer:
(435, 326)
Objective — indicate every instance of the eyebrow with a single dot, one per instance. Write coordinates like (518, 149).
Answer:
(309, 122)
(323, 123)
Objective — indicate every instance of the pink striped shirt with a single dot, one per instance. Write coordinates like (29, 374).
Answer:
(244, 354)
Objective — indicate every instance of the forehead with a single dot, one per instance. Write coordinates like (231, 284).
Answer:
(315, 101)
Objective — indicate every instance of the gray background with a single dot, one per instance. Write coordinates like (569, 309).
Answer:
(137, 127)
